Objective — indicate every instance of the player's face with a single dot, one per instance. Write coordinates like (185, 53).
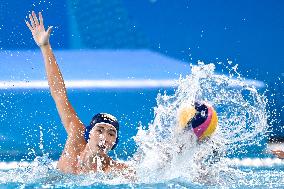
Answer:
(103, 137)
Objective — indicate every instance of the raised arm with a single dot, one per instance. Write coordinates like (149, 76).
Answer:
(56, 84)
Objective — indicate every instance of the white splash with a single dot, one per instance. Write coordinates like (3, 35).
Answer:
(165, 154)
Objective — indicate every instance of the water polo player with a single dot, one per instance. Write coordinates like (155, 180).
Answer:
(86, 148)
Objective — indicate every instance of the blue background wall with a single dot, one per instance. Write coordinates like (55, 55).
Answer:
(248, 32)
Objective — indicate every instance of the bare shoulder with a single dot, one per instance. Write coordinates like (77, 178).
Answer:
(74, 145)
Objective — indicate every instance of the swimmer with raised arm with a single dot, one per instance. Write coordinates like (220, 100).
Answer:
(86, 149)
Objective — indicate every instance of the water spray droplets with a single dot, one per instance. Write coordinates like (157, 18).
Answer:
(241, 112)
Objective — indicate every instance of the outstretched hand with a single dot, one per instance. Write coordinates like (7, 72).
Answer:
(278, 153)
(36, 26)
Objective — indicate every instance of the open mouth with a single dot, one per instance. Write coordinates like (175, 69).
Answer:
(101, 147)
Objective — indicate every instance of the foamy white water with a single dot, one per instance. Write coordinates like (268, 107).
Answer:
(164, 153)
